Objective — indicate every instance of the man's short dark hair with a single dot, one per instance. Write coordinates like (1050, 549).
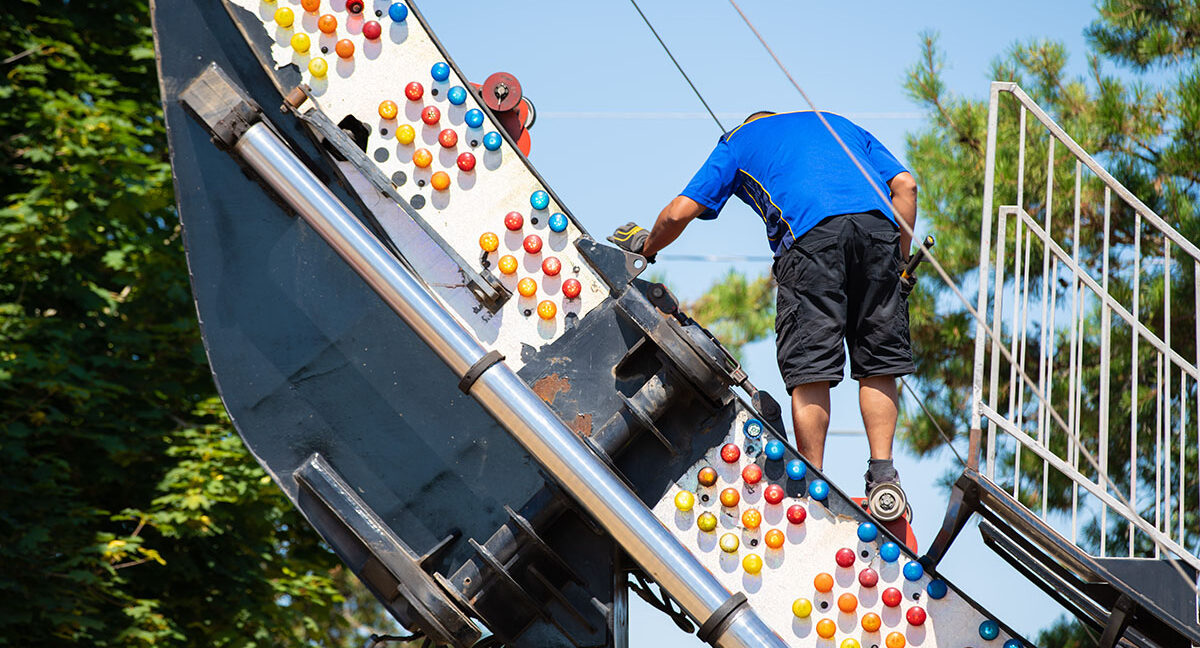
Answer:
(761, 113)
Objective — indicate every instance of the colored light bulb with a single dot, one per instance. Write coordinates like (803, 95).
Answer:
(513, 221)
(414, 91)
(301, 42)
(489, 242)
(474, 118)
(1013, 643)
(527, 287)
(684, 501)
(457, 95)
(557, 222)
(774, 538)
(707, 522)
(752, 564)
(372, 30)
(849, 642)
(751, 518)
(729, 543)
(796, 514)
(801, 607)
(571, 288)
(752, 428)
(752, 474)
(894, 640)
(915, 616)
(422, 158)
(318, 67)
(507, 264)
(551, 266)
(310, 6)
(823, 582)
(826, 628)
(913, 570)
(466, 162)
(406, 134)
(773, 494)
(284, 17)
(448, 138)
(492, 141)
(867, 532)
(796, 469)
(730, 453)
(431, 115)
(344, 48)
(440, 71)
(354, 6)
(532, 244)
(398, 12)
(388, 109)
(891, 597)
(440, 181)
(890, 552)
(847, 603)
(937, 589)
(730, 497)
(539, 199)
(868, 578)
(327, 24)
(871, 622)
(707, 475)
(844, 557)
(989, 630)
(774, 450)
(818, 490)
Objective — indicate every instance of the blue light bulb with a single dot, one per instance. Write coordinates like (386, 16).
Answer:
(890, 552)
(539, 200)
(867, 532)
(989, 630)
(796, 469)
(474, 118)
(398, 12)
(457, 95)
(937, 588)
(752, 428)
(557, 222)
(440, 71)
(913, 570)
(1013, 643)
(774, 450)
(819, 490)
(492, 141)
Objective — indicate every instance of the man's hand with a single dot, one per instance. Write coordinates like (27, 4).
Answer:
(631, 237)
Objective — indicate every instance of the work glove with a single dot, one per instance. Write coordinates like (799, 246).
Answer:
(632, 238)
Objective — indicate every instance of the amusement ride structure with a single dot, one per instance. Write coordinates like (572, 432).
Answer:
(503, 431)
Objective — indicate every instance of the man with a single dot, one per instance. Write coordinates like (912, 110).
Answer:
(837, 261)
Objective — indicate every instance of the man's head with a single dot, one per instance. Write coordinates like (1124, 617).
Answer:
(756, 115)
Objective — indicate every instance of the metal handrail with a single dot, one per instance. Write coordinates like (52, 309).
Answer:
(1153, 509)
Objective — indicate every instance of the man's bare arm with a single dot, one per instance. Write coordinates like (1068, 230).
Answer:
(904, 200)
(671, 222)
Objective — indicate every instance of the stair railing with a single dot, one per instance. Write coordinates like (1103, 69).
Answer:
(1106, 328)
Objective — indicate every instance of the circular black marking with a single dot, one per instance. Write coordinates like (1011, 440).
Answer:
(754, 542)
(382, 131)
(704, 498)
(420, 183)
(418, 201)
(866, 554)
(474, 143)
(916, 596)
(398, 178)
(324, 49)
(528, 312)
(378, 13)
(533, 221)
(381, 154)
(433, 91)
(575, 269)
(824, 605)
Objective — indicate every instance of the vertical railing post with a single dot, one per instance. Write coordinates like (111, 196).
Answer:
(985, 234)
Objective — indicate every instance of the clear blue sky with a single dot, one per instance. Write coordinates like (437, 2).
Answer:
(601, 85)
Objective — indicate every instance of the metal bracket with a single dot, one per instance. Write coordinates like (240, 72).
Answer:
(646, 422)
(616, 266)
(482, 283)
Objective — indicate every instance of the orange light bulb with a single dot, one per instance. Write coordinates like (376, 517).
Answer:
(527, 287)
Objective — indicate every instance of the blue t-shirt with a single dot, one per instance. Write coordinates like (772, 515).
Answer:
(793, 173)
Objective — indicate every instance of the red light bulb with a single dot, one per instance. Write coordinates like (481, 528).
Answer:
(571, 288)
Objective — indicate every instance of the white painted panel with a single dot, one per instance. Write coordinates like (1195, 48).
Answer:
(476, 202)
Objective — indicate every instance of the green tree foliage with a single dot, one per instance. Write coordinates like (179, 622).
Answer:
(130, 514)
(737, 310)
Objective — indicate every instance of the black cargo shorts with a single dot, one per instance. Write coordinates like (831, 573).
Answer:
(841, 281)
